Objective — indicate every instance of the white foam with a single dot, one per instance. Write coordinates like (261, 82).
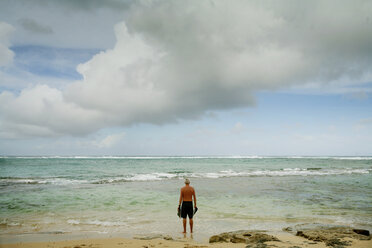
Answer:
(139, 177)
(5, 222)
(291, 169)
(284, 172)
(105, 223)
(14, 224)
(328, 157)
(353, 158)
(158, 176)
(231, 173)
(151, 177)
(55, 181)
(95, 222)
(73, 222)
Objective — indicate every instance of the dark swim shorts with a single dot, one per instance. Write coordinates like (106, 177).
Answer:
(187, 210)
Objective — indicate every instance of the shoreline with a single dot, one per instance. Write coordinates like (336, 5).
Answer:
(118, 242)
(286, 241)
(283, 238)
(201, 235)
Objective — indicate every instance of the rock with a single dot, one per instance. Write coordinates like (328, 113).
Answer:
(237, 240)
(167, 237)
(260, 245)
(288, 229)
(261, 238)
(217, 238)
(300, 233)
(332, 236)
(243, 236)
(361, 232)
(310, 237)
(336, 243)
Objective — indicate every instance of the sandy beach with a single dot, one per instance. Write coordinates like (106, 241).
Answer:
(259, 239)
(286, 240)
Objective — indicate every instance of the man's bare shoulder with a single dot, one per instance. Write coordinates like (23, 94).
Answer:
(191, 189)
(187, 188)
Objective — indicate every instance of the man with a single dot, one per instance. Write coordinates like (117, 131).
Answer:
(186, 198)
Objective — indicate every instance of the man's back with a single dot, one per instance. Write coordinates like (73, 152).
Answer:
(187, 192)
(186, 197)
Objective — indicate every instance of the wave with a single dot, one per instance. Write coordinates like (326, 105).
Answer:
(231, 173)
(140, 177)
(353, 158)
(95, 222)
(284, 172)
(8, 223)
(330, 157)
(133, 157)
(55, 181)
(192, 157)
(158, 176)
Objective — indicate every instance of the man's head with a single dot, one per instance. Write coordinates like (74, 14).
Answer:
(187, 181)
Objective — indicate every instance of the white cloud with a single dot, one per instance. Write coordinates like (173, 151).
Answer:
(179, 59)
(43, 111)
(6, 55)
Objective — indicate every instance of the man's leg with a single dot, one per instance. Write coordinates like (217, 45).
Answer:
(184, 225)
(191, 224)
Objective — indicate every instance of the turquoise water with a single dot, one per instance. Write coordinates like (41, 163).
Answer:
(139, 195)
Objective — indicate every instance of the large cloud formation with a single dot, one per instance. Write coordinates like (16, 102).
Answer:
(178, 59)
(6, 55)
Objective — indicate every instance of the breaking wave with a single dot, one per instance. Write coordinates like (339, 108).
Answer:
(192, 157)
(95, 222)
(231, 173)
(55, 181)
(142, 177)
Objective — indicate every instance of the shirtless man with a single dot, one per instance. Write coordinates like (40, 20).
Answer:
(187, 193)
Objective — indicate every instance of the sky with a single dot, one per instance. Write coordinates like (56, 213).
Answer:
(185, 78)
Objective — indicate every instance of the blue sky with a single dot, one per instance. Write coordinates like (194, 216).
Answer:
(50, 61)
(147, 82)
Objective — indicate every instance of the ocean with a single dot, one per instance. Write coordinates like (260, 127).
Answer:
(129, 196)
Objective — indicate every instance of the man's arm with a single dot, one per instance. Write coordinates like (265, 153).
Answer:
(193, 193)
(179, 204)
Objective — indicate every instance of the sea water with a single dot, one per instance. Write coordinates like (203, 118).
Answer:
(128, 196)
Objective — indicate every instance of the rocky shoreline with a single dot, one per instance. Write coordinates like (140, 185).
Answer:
(309, 234)
(243, 236)
(331, 236)
(298, 236)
